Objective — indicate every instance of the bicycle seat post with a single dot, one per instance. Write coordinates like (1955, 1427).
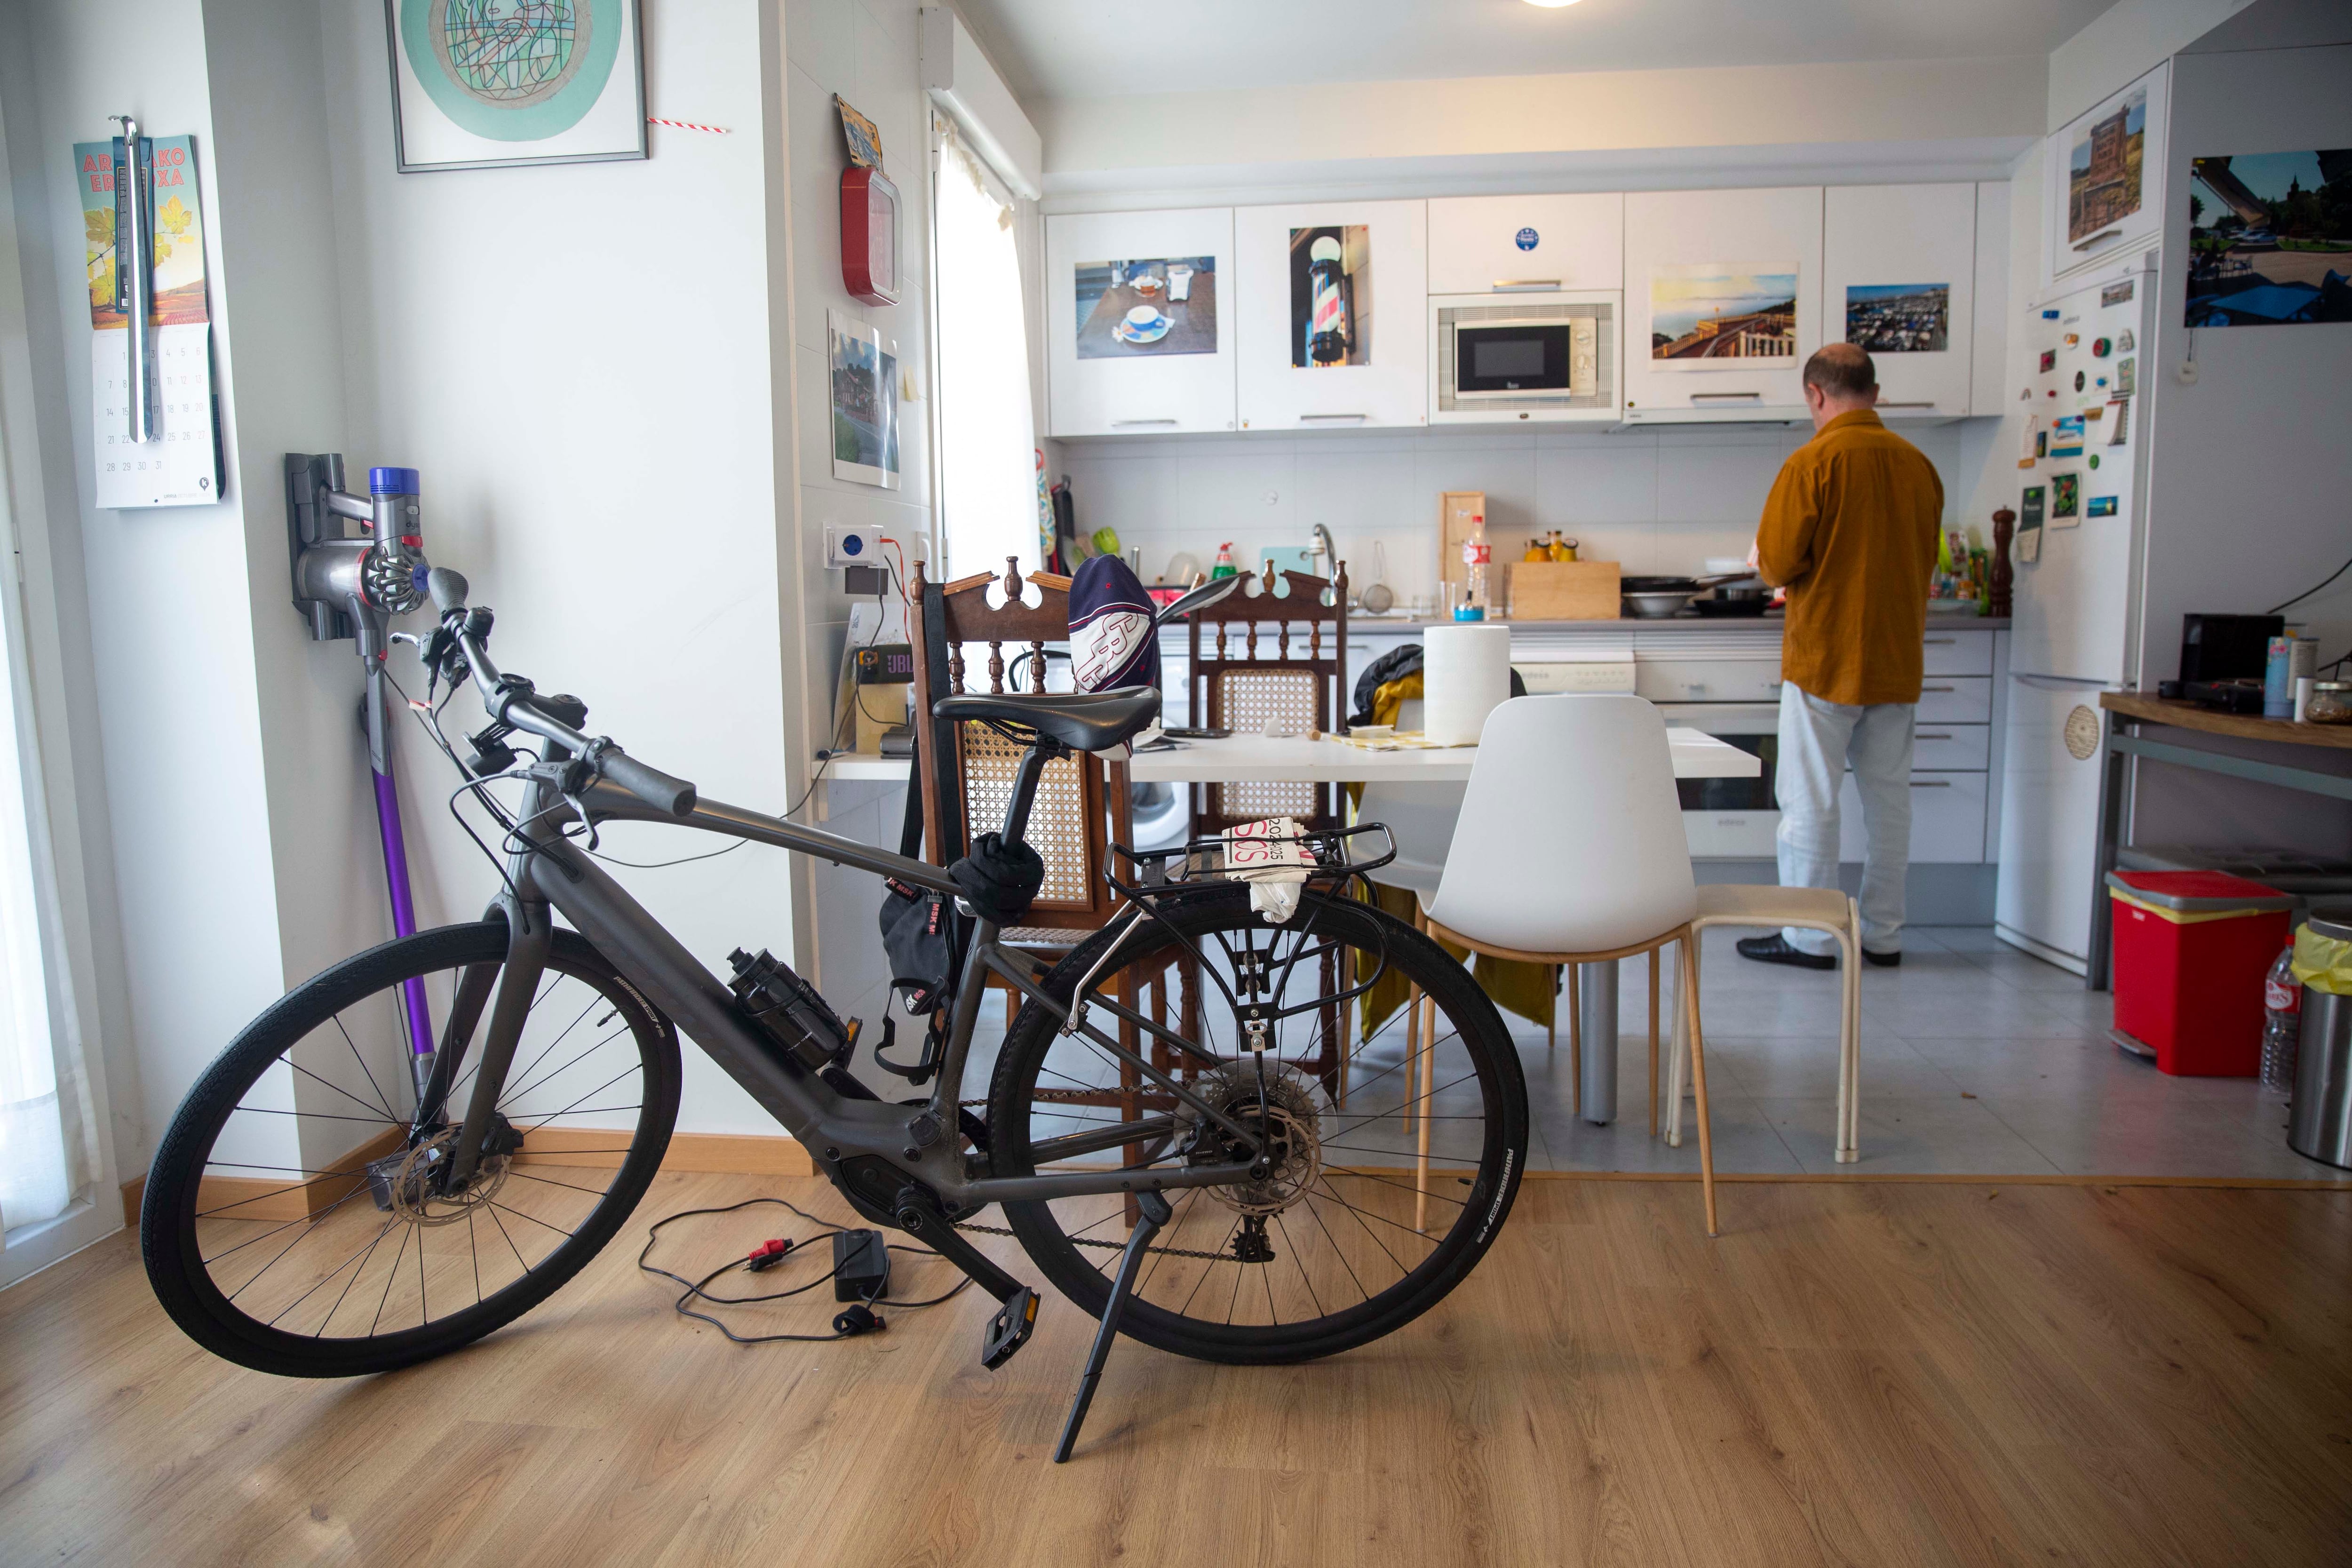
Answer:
(1025, 786)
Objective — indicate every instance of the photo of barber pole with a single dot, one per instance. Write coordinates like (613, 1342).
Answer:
(1330, 295)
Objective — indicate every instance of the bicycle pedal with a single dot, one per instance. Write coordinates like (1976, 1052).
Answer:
(1010, 1328)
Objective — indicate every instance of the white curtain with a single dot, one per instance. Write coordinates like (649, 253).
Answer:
(988, 434)
(49, 1154)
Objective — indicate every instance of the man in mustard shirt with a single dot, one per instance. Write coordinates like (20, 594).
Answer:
(1850, 529)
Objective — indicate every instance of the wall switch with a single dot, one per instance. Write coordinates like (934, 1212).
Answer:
(847, 546)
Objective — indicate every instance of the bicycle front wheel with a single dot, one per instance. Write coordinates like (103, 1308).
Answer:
(1393, 1120)
(293, 1220)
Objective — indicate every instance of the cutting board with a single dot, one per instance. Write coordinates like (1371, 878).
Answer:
(1564, 591)
(1456, 508)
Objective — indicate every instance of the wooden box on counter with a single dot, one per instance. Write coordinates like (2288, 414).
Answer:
(1563, 590)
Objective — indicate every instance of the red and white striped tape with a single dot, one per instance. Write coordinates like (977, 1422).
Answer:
(688, 125)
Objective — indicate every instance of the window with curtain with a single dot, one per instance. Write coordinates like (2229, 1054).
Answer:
(987, 430)
(48, 1155)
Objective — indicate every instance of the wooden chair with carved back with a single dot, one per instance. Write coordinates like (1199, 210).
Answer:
(1276, 651)
(1083, 802)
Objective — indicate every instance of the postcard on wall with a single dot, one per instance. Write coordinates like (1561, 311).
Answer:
(181, 466)
(1715, 315)
(2270, 238)
(480, 85)
(2065, 499)
(861, 135)
(1331, 296)
(1899, 318)
(1153, 308)
(864, 377)
(2104, 169)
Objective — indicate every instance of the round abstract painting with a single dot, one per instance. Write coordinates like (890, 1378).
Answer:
(514, 70)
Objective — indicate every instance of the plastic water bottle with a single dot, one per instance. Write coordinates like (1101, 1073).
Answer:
(2282, 1023)
(1475, 558)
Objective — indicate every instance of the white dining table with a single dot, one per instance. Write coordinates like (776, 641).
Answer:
(1254, 759)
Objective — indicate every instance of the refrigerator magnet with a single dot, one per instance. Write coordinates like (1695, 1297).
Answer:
(2103, 506)
(2065, 499)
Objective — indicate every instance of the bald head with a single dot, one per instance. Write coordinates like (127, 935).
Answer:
(1839, 379)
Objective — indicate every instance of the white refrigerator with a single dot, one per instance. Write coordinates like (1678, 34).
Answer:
(2077, 600)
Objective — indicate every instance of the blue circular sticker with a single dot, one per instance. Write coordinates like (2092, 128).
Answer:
(1525, 238)
(513, 71)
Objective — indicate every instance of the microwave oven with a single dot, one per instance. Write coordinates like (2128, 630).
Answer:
(1524, 360)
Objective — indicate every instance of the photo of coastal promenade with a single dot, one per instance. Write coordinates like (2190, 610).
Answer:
(1715, 312)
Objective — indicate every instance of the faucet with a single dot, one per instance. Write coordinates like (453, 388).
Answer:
(1328, 550)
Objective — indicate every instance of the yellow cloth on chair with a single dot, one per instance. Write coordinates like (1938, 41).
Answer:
(1530, 990)
(1390, 695)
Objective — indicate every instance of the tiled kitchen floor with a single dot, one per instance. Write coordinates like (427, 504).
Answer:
(1976, 1059)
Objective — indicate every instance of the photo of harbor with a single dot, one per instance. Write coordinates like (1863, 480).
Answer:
(1899, 318)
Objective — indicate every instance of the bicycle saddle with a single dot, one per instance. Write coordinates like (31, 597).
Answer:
(1082, 720)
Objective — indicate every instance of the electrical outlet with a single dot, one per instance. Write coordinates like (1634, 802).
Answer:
(847, 546)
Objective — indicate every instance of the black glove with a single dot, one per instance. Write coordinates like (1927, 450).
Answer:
(998, 880)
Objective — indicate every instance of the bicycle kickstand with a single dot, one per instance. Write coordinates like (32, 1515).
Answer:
(1152, 1212)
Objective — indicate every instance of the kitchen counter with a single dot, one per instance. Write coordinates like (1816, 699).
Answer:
(1950, 622)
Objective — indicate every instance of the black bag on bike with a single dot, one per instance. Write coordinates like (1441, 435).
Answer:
(922, 935)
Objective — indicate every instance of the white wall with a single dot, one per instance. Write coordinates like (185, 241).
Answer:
(2123, 44)
(2248, 468)
(175, 688)
(577, 359)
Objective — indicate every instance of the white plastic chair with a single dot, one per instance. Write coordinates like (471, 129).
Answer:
(1569, 849)
(1813, 908)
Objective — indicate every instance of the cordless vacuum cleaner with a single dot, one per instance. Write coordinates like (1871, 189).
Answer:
(347, 586)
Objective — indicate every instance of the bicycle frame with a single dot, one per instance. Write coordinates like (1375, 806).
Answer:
(837, 1129)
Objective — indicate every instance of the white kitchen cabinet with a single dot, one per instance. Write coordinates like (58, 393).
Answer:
(1948, 819)
(1956, 699)
(1382, 287)
(2103, 180)
(1920, 241)
(1481, 245)
(1698, 266)
(1102, 381)
(1990, 391)
(1957, 652)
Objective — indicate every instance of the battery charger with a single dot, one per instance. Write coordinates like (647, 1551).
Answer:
(861, 1265)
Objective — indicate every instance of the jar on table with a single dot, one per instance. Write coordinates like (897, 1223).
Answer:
(2331, 702)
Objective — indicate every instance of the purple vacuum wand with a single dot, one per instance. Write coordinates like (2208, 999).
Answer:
(352, 587)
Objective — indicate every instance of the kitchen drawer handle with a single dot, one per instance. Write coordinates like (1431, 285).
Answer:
(1931, 784)
(1304, 419)
(1932, 735)
(1939, 688)
(1727, 397)
(1942, 642)
(1116, 423)
(1512, 285)
(1923, 402)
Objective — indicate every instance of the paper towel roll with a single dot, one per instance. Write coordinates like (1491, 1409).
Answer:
(1465, 674)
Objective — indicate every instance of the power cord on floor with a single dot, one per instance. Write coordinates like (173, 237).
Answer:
(859, 1318)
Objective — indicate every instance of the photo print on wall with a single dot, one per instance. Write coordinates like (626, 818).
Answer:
(2103, 170)
(1331, 296)
(1899, 318)
(1162, 306)
(2066, 499)
(482, 84)
(2270, 238)
(864, 377)
(1717, 315)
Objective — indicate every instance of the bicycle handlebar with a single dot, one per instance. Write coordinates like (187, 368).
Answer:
(657, 789)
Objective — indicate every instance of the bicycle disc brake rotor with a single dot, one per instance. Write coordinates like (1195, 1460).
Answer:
(417, 1182)
(1290, 1122)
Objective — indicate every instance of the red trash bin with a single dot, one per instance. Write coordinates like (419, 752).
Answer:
(2191, 951)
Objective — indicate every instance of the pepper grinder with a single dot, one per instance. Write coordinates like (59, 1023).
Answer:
(1997, 600)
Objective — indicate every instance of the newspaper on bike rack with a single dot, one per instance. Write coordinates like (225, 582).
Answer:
(1271, 857)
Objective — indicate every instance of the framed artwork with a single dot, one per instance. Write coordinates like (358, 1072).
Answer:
(1899, 318)
(1159, 307)
(489, 84)
(1330, 295)
(2270, 238)
(1720, 315)
(865, 402)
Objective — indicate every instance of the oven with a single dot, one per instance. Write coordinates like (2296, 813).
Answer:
(1731, 819)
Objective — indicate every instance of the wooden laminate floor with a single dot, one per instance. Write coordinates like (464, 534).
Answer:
(1854, 1374)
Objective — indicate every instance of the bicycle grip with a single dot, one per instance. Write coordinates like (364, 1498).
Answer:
(651, 786)
(447, 588)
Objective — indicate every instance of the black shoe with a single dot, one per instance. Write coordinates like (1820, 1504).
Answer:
(1774, 949)
(1885, 960)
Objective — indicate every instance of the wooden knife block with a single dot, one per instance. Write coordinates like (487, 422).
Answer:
(1565, 591)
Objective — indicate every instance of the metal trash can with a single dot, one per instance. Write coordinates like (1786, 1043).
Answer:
(2320, 1124)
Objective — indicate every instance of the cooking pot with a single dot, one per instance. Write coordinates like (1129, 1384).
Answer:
(1655, 598)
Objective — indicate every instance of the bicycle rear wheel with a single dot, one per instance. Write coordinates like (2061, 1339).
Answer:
(290, 1221)
(1395, 1149)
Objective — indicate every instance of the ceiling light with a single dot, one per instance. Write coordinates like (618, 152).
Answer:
(1551, 4)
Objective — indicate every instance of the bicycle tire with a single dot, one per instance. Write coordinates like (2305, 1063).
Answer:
(1485, 1042)
(169, 1213)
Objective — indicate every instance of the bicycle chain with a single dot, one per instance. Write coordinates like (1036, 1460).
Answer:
(1113, 1246)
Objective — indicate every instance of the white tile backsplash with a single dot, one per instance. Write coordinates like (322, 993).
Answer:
(1655, 500)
